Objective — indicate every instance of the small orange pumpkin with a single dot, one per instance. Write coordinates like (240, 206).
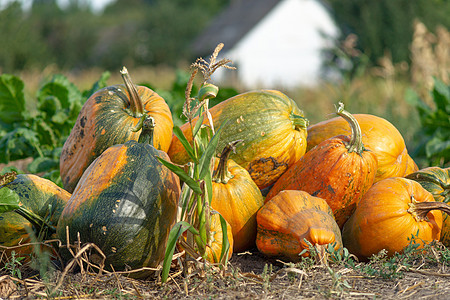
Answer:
(237, 198)
(290, 218)
(392, 212)
(339, 170)
(378, 135)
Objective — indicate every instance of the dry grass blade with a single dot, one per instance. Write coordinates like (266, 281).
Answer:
(209, 67)
(7, 287)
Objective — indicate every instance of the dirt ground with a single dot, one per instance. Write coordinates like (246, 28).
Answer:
(250, 275)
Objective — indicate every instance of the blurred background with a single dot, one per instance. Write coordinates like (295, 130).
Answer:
(379, 57)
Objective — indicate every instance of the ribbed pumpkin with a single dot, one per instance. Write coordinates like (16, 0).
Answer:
(237, 198)
(392, 212)
(125, 203)
(271, 126)
(378, 135)
(437, 181)
(214, 250)
(339, 170)
(111, 116)
(39, 196)
(291, 217)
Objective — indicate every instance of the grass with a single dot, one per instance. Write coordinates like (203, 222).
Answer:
(252, 275)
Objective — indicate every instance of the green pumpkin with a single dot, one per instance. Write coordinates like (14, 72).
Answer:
(436, 181)
(38, 196)
(125, 203)
(272, 129)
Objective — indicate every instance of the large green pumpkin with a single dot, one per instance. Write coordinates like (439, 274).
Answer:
(271, 125)
(437, 181)
(38, 196)
(125, 203)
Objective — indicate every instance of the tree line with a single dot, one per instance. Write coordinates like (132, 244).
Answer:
(152, 32)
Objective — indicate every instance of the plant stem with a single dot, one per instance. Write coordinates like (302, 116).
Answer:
(299, 122)
(148, 127)
(355, 144)
(136, 106)
(420, 209)
(221, 174)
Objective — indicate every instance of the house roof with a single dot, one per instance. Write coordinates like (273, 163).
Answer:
(231, 25)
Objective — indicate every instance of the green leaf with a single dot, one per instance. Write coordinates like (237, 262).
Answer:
(210, 150)
(441, 96)
(73, 93)
(12, 100)
(19, 143)
(42, 164)
(53, 92)
(9, 200)
(198, 125)
(438, 147)
(180, 135)
(225, 241)
(46, 134)
(177, 230)
(183, 176)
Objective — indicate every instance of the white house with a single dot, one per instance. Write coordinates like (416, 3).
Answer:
(273, 43)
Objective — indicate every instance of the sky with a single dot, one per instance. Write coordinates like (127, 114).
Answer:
(97, 5)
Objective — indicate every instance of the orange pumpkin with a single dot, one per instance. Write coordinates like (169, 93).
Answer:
(378, 135)
(237, 198)
(111, 116)
(338, 170)
(389, 215)
(290, 218)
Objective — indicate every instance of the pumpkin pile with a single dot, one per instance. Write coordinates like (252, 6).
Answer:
(344, 182)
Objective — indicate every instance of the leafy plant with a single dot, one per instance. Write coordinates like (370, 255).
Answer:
(13, 265)
(434, 147)
(39, 132)
(196, 196)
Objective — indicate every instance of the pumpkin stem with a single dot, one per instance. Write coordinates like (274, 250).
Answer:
(420, 209)
(299, 122)
(148, 127)
(221, 174)
(355, 144)
(136, 106)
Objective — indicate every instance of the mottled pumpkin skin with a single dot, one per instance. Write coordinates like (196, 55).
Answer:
(437, 181)
(238, 201)
(266, 122)
(125, 203)
(382, 221)
(378, 135)
(330, 172)
(106, 120)
(39, 195)
(289, 218)
(214, 250)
